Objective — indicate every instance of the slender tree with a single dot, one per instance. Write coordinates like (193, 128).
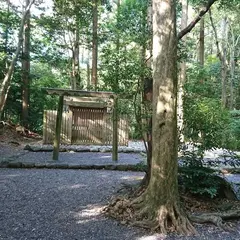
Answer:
(8, 76)
(222, 55)
(75, 74)
(95, 44)
(201, 42)
(26, 67)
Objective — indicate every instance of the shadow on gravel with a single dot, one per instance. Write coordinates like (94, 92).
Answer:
(52, 204)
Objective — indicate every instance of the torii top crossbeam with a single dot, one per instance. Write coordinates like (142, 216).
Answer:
(78, 93)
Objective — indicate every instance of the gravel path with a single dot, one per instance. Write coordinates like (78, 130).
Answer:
(84, 158)
(58, 204)
(64, 205)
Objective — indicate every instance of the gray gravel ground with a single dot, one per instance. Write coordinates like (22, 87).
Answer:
(84, 158)
(64, 205)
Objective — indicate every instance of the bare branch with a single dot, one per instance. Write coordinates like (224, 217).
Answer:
(196, 19)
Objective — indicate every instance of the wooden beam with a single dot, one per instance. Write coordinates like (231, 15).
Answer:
(80, 93)
(56, 142)
(115, 131)
(86, 104)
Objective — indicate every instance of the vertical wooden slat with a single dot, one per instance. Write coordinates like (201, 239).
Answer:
(86, 126)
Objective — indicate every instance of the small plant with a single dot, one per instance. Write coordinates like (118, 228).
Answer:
(200, 180)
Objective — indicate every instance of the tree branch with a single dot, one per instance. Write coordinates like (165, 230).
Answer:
(219, 54)
(196, 19)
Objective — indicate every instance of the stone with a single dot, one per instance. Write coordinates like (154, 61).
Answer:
(94, 149)
(14, 164)
(28, 165)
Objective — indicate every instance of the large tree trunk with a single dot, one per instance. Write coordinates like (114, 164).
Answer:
(26, 68)
(7, 79)
(160, 202)
(95, 44)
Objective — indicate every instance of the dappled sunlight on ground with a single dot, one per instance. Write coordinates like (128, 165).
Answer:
(75, 186)
(153, 237)
(105, 156)
(132, 178)
(88, 214)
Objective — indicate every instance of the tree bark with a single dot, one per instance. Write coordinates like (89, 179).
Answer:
(95, 44)
(88, 73)
(7, 79)
(182, 76)
(75, 81)
(201, 42)
(160, 202)
(232, 67)
(26, 69)
(222, 55)
(224, 67)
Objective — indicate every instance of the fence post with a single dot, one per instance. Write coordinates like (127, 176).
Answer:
(115, 131)
(56, 142)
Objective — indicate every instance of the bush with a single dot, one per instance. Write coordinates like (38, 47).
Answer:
(200, 181)
(205, 121)
(232, 133)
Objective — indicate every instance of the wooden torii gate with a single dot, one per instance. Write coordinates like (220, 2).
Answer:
(80, 93)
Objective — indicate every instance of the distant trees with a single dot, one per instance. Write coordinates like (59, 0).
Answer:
(5, 85)
(26, 67)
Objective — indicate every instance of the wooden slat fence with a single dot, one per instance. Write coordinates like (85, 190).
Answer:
(49, 123)
(92, 126)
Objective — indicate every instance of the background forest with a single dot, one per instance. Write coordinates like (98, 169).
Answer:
(106, 45)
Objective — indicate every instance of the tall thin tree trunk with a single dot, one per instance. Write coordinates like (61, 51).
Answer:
(201, 42)
(88, 72)
(182, 75)
(232, 73)
(26, 68)
(224, 61)
(234, 43)
(95, 44)
(222, 55)
(6, 39)
(75, 60)
(7, 79)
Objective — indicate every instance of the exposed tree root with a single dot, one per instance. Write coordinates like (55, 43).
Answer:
(167, 217)
(216, 218)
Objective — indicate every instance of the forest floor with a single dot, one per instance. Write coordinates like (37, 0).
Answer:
(66, 204)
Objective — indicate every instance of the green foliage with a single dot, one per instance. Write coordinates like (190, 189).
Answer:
(204, 118)
(200, 181)
(205, 121)
(232, 132)
(43, 76)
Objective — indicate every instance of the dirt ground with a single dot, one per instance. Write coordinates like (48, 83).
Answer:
(12, 141)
